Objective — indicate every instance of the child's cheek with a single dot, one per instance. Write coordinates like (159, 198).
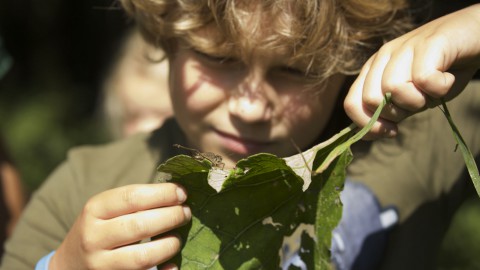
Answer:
(298, 107)
(185, 85)
(201, 92)
(204, 99)
(305, 119)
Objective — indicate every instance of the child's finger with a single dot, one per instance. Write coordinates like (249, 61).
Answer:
(168, 266)
(360, 114)
(133, 198)
(134, 227)
(143, 255)
(373, 89)
(372, 94)
(397, 80)
(353, 103)
(429, 71)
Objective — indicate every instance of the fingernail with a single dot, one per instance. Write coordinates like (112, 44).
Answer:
(170, 266)
(187, 212)
(181, 194)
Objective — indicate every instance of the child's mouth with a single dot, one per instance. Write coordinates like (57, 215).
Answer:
(241, 146)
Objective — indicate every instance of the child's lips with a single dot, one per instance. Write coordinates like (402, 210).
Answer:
(242, 146)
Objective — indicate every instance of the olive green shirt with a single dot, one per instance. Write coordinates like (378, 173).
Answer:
(419, 173)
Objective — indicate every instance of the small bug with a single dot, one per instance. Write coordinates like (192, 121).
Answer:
(215, 159)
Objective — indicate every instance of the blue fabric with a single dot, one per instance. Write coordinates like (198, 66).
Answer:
(44, 262)
(360, 238)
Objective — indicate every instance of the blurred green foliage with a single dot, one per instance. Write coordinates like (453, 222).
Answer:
(39, 128)
(461, 246)
(60, 51)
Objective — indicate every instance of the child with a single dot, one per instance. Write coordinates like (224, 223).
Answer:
(135, 91)
(245, 77)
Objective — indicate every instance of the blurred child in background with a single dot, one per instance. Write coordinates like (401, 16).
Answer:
(135, 92)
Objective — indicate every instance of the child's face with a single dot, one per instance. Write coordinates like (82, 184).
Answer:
(234, 109)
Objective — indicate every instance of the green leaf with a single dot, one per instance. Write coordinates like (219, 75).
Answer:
(241, 218)
(238, 227)
(466, 153)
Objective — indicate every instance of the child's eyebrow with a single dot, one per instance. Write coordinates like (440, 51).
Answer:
(219, 50)
(215, 54)
(232, 52)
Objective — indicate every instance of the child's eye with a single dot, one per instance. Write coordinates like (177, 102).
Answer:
(292, 71)
(215, 59)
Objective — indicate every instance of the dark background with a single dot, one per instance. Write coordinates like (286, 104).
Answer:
(49, 99)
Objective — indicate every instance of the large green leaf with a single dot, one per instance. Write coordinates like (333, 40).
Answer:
(244, 217)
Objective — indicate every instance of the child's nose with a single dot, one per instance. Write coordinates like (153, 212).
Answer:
(250, 106)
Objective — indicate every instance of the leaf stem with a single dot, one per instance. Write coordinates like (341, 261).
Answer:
(466, 153)
(337, 151)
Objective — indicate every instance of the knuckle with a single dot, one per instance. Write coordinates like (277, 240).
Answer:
(138, 227)
(350, 106)
(88, 239)
(130, 197)
(386, 49)
(164, 193)
(421, 80)
(389, 86)
(142, 258)
(89, 208)
(371, 101)
(93, 265)
(437, 39)
(88, 242)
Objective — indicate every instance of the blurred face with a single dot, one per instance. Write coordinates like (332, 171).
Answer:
(141, 83)
(144, 95)
(235, 109)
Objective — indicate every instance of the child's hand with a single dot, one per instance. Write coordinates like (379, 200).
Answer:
(106, 235)
(435, 60)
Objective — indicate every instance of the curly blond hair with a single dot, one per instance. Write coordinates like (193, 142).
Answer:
(326, 36)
